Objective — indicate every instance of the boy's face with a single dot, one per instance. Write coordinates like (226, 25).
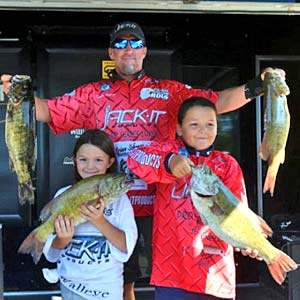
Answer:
(199, 127)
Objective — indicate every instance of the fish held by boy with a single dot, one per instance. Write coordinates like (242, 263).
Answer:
(110, 187)
(20, 135)
(276, 126)
(235, 223)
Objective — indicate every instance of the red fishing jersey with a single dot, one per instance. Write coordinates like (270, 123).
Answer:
(132, 114)
(186, 253)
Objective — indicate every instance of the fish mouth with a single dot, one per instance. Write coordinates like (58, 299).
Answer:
(15, 101)
(202, 195)
(128, 181)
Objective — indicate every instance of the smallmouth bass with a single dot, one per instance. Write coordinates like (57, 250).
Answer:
(110, 187)
(276, 126)
(234, 222)
(20, 135)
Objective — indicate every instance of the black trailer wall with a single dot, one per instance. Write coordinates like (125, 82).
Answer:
(61, 50)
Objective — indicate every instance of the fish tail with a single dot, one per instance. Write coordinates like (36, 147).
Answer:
(274, 163)
(269, 184)
(31, 245)
(280, 266)
(26, 193)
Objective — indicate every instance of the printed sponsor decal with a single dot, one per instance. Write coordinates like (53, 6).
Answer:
(107, 66)
(147, 93)
(68, 160)
(131, 116)
(146, 159)
(77, 132)
(104, 87)
(122, 150)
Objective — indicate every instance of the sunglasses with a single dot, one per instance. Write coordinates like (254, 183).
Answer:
(122, 44)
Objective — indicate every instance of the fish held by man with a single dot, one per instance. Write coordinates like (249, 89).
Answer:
(110, 187)
(234, 222)
(20, 135)
(276, 126)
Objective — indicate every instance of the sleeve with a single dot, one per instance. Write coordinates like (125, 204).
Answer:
(126, 223)
(73, 110)
(148, 162)
(50, 253)
(235, 180)
(184, 91)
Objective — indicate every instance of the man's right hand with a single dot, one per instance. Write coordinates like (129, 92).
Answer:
(6, 82)
(42, 111)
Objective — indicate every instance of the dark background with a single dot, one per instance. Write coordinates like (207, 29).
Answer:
(61, 50)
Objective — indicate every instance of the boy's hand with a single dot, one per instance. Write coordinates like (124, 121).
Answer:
(249, 252)
(180, 165)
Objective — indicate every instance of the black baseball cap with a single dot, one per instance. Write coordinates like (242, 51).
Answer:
(126, 27)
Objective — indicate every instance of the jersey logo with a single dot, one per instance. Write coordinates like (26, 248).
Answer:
(72, 93)
(104, 87)
(146, 93)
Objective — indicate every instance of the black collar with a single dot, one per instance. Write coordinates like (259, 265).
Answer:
(113, 75)
(205, 152)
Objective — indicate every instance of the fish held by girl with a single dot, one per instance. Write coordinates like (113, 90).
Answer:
(110, 187)
(234, 222)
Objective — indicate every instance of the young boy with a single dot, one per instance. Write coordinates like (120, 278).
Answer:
(181, 270)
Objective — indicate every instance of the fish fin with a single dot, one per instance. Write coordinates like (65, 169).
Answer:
(264, 153)
(270, 180)
(265, 228)
(48, 209)
(216, 209)
(280, 266)
(94, 202)
(204, 221)
(26, 193)
(11, 165)
(31, 245)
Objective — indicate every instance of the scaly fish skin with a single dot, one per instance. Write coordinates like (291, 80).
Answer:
(110, 187)
(276, 126)
(235, 223)
(19, 135)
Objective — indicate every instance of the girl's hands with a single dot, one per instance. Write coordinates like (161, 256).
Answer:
(93, 214)
(64, 228)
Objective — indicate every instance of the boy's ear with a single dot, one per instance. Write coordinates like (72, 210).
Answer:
(178, 130)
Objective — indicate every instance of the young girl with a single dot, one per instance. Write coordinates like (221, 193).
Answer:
(90, 256)
(181, 270)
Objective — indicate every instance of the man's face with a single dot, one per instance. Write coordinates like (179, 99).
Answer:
(128, 61)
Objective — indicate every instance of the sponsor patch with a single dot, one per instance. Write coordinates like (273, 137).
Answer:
(147, 93)
(104, 87)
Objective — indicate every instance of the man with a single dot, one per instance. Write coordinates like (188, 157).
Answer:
(134, 109)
